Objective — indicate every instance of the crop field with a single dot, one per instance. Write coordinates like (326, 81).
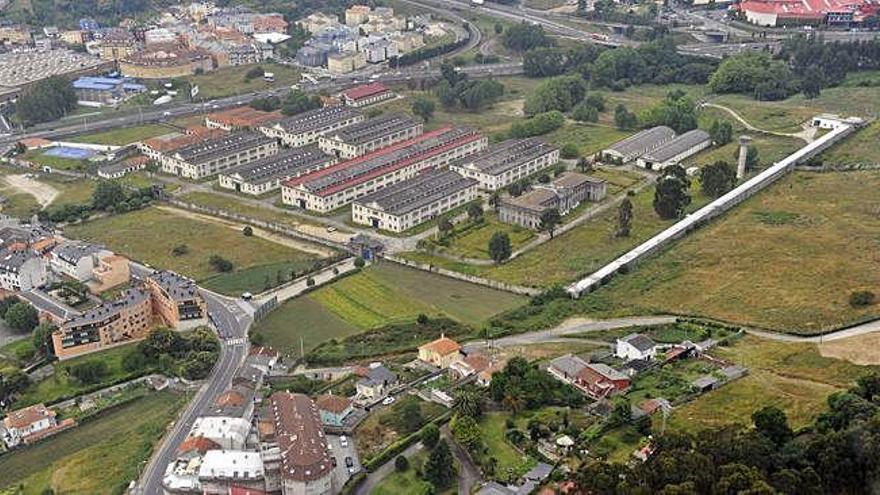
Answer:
(791, 376)
(99, 457)
(387, 293)
(125, 135)
(787, 259)
(151, 234)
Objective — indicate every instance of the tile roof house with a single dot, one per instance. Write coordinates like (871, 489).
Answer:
(305, 460)
(367, 94)
(601, 380)
(334, 409)
(441, 352)
(30, 424)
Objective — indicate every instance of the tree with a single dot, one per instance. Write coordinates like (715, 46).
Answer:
(525, 36)
(537, 125)
(430, 435)
(584, 112)
(467, 432)
(621, 414)
(46, 100)
(624, 218)
(771, 422)
(198, 365)
(550, 219)
(423, 107)
(22, 317)
(717, 179)
(569, 151)
(469, 402)
(7, 303)
(359, 262)
(411, 417)
(861, 298)
(247, 231)
(560, 93)
(584, 164)
(671, 194)
(310, 282)
(445, 226)
(754, 73)
(475, 212)
(439, 468)
(401, 463)
(721, 132)
(298, 102)
(624, 119)
(107, 195)
(220, 263)
(499, 28)
(254, 73)
(422, 319)
(42, 338)
(751, 157)
(499, 246)
(677, 111)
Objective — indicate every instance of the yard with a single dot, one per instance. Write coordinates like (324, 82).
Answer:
(792, 376)
(385, 426)
(99, 457)
(125, 135)
(510, 462)
(41, 159)
(302, 321)
(229, 81)
(212, 200)
(150, 236)
(473, 241)
(407, 482)
(786, 259)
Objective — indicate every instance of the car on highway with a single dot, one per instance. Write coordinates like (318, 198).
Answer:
(343, 441)
(388, 401)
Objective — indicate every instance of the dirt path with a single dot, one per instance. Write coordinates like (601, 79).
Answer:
(269, 236)
(806, 135)
(42, 192)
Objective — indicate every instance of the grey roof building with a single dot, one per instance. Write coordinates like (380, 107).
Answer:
(567, 367)
(507, 162)
(641, 342)
(676, 150)
(370, 135)
(627, 150)
(266, 174)
(229, 144)
(211, 156)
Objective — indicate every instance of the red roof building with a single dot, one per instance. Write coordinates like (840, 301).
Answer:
(807, 12)
(601, 380)
(367, 94)
(305, 462)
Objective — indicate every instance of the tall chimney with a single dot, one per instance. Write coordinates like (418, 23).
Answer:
(744, 142)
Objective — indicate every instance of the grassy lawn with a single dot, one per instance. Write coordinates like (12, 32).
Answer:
(407, 482)
(303, 318)
(230, 81)
(509, 459)
(165, 230)
(771, 149)
(793, 377)
(860, 148)
(576, 252)
(56, 162)
(124, 135)
(475, 241)
(212, 200)
(618, 444)
(382, 428)
(62, 385)
(99, 457)
(589, 138)
(786, 259)
(388, 292)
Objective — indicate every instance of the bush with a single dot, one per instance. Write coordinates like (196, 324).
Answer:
(537, 125)
(401, 463)
(180, 250)
(247, 231)
(359, 262)
(862, 298)
(569, 151)
(90, 371)
(220, 263)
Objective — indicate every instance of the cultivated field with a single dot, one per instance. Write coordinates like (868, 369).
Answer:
(786, 259)
(99, 457)
(151, 234)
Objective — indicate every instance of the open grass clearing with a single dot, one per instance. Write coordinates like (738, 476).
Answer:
(99, 457)
(510, 460)
(302, 321)
(38, 157)
(229, 81)
(771, 149)
(474, 243)
(384, 427)
(862, 350)
(124, 135)
(150, 235)
(407, 482)
(786, 259)
(863, 148)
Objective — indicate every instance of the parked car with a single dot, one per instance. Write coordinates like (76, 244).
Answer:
(343, 440)
(388, 400)
(349, 462)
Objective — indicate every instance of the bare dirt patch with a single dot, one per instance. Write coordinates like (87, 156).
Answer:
(42, 192)
(861, 349)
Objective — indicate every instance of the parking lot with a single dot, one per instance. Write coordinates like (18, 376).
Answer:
(341, 472)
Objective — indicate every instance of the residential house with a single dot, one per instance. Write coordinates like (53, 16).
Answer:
(601, 380)
(77, 260)
(21, 270)
(441, 352)
(375, 381)
(29, 425)
(228, 432)
(635, 346)
(334, 409)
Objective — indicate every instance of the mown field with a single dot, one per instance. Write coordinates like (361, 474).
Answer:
(99, 457)
(379, 295)
(151, 234)
(792, 376)
(787, 259)
(230, 81)
(125, 135)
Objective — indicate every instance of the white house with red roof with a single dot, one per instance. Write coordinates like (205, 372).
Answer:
(366, 94)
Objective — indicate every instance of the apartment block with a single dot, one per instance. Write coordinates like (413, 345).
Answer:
(267, 174)
(360, 139)
(507, 162)
(414, 201)
(212, 156)
(339, 185)
(77, 260)
(176, 299)
(307, 127)
(22, 270)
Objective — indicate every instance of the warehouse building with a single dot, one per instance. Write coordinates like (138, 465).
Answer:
(676, 150)
(209, 157)
(367, 94)
(241, 118)
(627, 150)
(344, 182)
(507, 162)
(307, 127)
(414, 201)
(563, 194)
(266, 175)
(155, 148)
(360, 139)
(100, 91)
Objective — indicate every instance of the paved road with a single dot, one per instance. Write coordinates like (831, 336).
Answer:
(563, 331)
(469, 474)
(854, 331)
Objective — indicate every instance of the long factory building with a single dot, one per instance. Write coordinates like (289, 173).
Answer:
(370, 135)
(507, 162)
(305, 128)
(414, 201)
(212, 156)
(340, 184)
(267, 174)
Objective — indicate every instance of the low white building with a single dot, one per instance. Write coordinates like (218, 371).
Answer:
(305, 128)
(212, 156)
(507, 162)
(266, 175)
(228, 432)
(635, 346)
(77, 260)
(221, 470)
(22, 270)
(676, 150)
(22, 423)
(632, 147)
(370, 135)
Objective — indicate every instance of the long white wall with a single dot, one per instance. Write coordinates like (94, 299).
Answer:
(711, 210)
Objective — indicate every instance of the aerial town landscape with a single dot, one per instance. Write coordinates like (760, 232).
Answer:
(494, 247)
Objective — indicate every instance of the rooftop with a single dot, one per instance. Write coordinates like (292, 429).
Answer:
(640, 342)
(243, 116)
(206, 150)
(678, 145)
(175, 286)
(442, 346)
(108, 310)
(231, 464)
(365, 91)
(569, 365)
(291, 162)
(23, 418)
(300, 437)
(640, 141)
(72, 252)
(807, 8)
(318, 118)
(333, 403)
(21, 68)
(170, 142)
(369, 130)
(412, 194)
(506, 155)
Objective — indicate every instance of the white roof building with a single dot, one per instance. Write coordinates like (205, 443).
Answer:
(229, 433)
(231, 465)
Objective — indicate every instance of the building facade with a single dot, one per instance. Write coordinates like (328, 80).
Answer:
(176, 299)
(441, 352)
(676, 150)
(507, 162)
(563, 194)
(266, 175)
(305, 467)
(22, 270)
(365, 95)
(307, 127)
(370, 135)
(212, 156)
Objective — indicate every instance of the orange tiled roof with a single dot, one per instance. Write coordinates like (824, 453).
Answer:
(442, 346)
(23, 418)
(333, 403)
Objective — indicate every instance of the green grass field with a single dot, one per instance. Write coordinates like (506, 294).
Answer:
(124, 135)
(99, 457)
(475, 241)
(509, 459)
(771, 149)
(404, 483)
(861, 148)
(791, 376)
(785, 259)
(151, 234)
(230, 81)
(212, 200)
(302, 318)
(55, 162)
